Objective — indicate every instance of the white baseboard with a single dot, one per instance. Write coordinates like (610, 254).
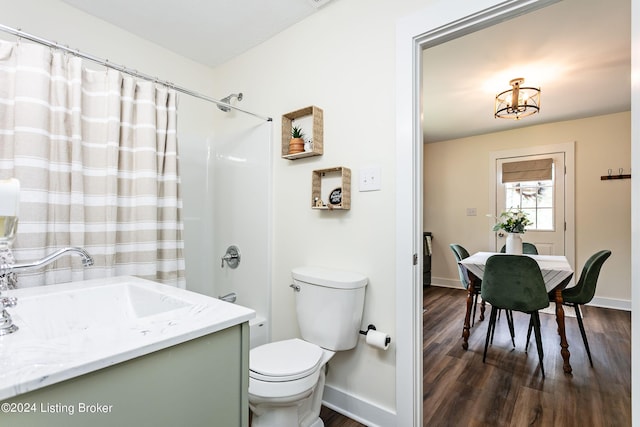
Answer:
(617, 304)
(357, 409)
(446, 283)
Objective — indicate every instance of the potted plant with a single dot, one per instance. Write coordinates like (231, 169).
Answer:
(514, 222)
(296, 145)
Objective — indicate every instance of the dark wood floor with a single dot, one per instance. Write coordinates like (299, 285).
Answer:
(508, 390)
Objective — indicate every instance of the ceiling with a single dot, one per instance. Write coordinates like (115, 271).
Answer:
(577, 51)
(207, 31)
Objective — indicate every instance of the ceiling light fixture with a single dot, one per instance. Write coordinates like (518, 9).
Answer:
(518, 101)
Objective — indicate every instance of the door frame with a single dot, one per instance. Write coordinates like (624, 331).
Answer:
(436, 24)
(568, 149)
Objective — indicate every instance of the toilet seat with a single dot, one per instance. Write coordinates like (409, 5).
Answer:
(283, 361)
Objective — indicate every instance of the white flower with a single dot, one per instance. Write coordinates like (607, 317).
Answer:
(512, 221)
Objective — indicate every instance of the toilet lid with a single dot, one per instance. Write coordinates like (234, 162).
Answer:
(284, 360)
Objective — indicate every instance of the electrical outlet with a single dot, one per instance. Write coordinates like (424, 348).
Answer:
(370, 179)
(471, 212)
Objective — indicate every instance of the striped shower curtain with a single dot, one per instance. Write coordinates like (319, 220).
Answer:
(96, 156)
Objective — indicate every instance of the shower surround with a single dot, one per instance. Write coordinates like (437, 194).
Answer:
(226, 182)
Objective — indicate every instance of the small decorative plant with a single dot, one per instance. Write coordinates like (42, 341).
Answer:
(512, 221)
(296, 132)
(296, 145)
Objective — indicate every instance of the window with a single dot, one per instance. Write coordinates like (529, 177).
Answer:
(534, 198)
(529, 186)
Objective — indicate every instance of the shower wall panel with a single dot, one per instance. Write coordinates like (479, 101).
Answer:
(241, 171)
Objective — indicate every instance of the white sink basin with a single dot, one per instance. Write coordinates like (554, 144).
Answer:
(73, 328)
(54, 312)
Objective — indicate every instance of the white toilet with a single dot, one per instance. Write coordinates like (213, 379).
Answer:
(286, 378)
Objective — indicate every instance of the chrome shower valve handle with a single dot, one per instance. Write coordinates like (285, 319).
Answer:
(232, 257)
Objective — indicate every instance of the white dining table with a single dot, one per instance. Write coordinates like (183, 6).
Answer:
(555, 268)
(556, 272)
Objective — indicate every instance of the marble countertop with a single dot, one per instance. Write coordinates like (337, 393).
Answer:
(71, 329)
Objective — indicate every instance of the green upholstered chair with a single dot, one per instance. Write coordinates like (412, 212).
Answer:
(461, 253)
(514, 282)
(585, 289)
(527, 249)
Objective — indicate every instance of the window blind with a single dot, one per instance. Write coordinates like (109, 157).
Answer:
(528, 170)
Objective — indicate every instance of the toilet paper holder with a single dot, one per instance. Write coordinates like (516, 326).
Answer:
(373, 328)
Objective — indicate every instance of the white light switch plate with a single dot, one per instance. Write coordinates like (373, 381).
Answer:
(370, 179)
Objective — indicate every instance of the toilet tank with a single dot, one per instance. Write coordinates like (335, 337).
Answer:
(329, 306)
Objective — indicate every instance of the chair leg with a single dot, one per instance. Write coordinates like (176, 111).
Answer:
(509, 315)
(473, 316)
(526, 348)
(582, 332)
(536, 330)
(492, 323)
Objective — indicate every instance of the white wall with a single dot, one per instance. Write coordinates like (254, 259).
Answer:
(457, 176)
(342, 60)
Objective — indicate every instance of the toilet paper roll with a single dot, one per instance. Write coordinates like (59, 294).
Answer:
(378, 339)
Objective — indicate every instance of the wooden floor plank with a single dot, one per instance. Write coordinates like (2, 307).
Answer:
(508, 390)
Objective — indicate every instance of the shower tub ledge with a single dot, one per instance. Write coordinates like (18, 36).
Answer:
(118, 350)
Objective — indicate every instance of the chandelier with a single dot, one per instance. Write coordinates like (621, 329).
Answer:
(517, 102)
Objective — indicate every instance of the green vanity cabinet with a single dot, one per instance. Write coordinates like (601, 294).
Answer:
(201, 382)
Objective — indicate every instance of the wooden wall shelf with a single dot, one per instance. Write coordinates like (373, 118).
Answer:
(315, 134)
(341, 178)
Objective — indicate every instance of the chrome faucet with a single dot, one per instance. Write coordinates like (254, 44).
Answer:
(7, 281)
(87, 260)
(231, 297)
(7, 271)
(6, 324)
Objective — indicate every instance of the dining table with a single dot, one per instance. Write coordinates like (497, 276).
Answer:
(557, 274)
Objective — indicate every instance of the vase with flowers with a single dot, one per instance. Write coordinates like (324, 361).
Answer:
(514, 222)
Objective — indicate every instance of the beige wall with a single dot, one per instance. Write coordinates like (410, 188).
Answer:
(456, 177)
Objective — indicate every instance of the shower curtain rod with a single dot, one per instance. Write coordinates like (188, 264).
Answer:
(105, 62)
